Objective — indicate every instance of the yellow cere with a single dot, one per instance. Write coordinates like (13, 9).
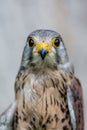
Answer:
(43, 45)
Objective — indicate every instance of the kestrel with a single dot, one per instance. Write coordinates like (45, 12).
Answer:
(48, 95)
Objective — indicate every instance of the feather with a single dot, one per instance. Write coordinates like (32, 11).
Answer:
(75, 104)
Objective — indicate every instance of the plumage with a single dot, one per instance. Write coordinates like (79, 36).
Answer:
(48, 96)
(77, 94)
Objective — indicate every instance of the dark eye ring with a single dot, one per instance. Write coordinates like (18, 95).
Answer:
(57, 42)
(31, 42)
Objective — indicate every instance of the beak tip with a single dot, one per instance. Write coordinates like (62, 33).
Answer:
(43, 53)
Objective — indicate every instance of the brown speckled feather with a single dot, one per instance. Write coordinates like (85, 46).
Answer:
(78, 100)
(41, 101)
(47, 96)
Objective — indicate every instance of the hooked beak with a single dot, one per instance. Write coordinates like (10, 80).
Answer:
(43, 49)
(43, 53)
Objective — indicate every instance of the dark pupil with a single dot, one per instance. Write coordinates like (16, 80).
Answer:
(57, 42)
(31, 42)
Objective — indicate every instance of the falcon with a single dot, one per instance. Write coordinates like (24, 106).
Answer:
(48, 95)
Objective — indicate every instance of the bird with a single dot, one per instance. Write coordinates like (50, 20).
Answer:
(48, 94)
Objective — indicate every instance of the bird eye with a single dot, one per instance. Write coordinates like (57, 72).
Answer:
(56, 42)
(31, 42)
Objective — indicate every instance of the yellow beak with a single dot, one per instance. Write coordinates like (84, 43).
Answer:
(43, 49)
(43, 45)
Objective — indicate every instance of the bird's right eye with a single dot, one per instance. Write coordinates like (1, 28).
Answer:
(31, 42)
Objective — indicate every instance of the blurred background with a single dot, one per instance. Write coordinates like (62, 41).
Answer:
(19, 17)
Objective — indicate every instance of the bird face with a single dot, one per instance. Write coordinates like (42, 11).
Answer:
(44, 48)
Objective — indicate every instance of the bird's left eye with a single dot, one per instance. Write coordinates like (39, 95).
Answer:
(56, 42)
(31, 42)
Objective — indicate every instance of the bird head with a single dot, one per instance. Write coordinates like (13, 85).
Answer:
(44, 49)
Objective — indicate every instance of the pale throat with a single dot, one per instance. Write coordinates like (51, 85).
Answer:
(47, 63)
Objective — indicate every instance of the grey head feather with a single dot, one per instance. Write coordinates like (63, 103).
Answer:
(46, 35)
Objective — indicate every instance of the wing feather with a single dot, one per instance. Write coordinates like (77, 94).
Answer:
(75, 103)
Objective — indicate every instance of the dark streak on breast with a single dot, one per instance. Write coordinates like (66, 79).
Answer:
(63, 85)
(23, 100)
(24, 77)
(16, 117)
(65, 128)
(61, 93)
(48, 119)
(56, 118)
(46, 107)
(63, 77)
(43, 89)
(17, 88)
(62, 109)
(53, 83)
(23, 85)
(51, 100)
